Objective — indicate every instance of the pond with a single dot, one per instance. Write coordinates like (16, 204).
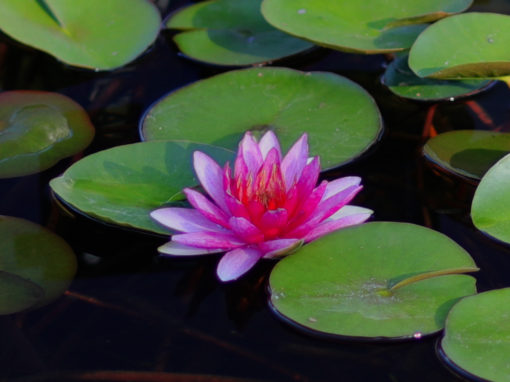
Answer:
(132, 315)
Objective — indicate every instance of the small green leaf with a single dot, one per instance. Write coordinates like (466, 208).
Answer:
(403, 82)
(94, 34)
(220, 109)
(37, 129)
(375, 280)
(122, 185)
(467, 153)
(470, 45)
(377, 26)
(490, 209)
(231, 32)
(477, 335)
(35, 262)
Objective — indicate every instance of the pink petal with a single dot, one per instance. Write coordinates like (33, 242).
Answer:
(273, 221)
(176, 249)
(245, 230)
(324, 210)
(210, 175)
(328, 226)
(340, 184)
(250, 152)
(236, 208)
(295, 161)
(279, 247)
(184, 220)
(268, 142)
(208, 240)
(237, 262)
(206, 207)
(307, 207)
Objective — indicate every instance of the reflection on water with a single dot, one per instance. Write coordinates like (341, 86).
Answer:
(129, 309)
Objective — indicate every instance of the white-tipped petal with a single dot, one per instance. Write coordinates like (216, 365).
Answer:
(176, 249)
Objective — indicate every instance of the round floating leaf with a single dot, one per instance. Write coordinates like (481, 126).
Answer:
(490, 210)
(231, 32)
(376, 280)
(470, 45)
(403, 82)
(467, 152)
(17, 294)
(94, 34)
(37, 129)
(477, 335)
(380, 26)
(122, 185)
(31, 254)
(341, 118)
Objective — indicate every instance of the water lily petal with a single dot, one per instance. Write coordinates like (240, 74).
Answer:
(208, 240)
(307, 207)
(272, 222)
(184, 220)
(328, 226)
(337, 185)
(295, 161)
(206, 207)
(176, 249)
(245, 230)
(236, 208)
(349, 210)
(210, 175)
(268, 142)
(249, 151)
(237, 262)
(279, 247)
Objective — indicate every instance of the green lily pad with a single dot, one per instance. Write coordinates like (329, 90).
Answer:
(94, 34)
(477, 335)
(218, 111)
(31, 254)
(37, 129)
(375, 280)
(122, 185)
(17, 294)
(490, 209)
(470, 45)
(231, 32)
(358, 26)
(467, 153)
(403, 82)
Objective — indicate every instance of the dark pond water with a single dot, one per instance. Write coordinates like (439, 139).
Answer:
(161, 319)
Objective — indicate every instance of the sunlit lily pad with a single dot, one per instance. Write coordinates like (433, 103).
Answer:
(231, 32)
(122, 185)
(477, 335)
(490, 210)
(467, 153)
(470, 45)
(93, 34)
(37, 129)
(341, 118)
(358, 26)
(37, 264)
(376, 280)
(403, 82)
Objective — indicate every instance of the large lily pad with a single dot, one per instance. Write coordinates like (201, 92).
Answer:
(403, 82)
(341, 118)
(37, 129)
(376, 280)
(477, 335)
(36, 265)
(380, 26)
(122, 185)
(94, 34)
(467, 153)
(470, 45)
(231, 32)
(490, 210)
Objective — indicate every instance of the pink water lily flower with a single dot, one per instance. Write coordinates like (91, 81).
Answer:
(267, 207)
